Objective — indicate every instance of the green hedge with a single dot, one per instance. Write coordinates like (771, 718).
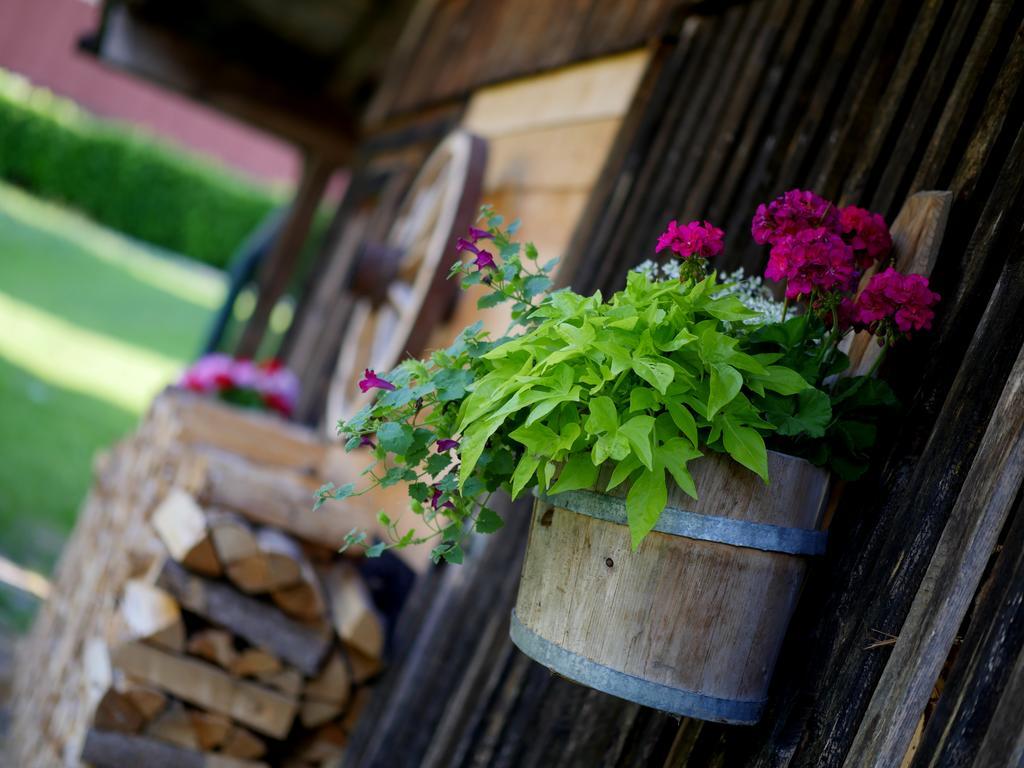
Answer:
(122, 179)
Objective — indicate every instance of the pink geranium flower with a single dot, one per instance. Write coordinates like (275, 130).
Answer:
(790, 213)
(812, 260)
(694, 240)
(905, 299)
(866, 233)
(371, 380)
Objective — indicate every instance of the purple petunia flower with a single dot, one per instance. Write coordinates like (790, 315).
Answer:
(480, 234)
(366, 442)
(446, 445)
(371, 379)
(436, 499)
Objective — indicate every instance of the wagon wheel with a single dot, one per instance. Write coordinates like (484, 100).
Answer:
(401, 287)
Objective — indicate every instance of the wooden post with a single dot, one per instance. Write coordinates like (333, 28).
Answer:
(280, 264)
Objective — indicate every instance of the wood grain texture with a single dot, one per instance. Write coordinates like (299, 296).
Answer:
(949, 584)
(583, 589)
(208, 687)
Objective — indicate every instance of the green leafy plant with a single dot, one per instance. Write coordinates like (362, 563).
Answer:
(619, 393)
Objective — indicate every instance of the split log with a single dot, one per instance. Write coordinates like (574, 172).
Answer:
(211, 728)
(278, 498)
(328, 743)
(313, 713)
(181, 525)
(149, 701)
(253, 662)
(117, 703)
(283, 556)
(208, 687)
(262, 625)
(233, 538)
(117, 750)
(216, 645)
(243, 743)
(287, 680)
(355, 618)
(148, 613)
(303, 599)
(333, 684)
(174, 726)
(363, 667)
(251, 574)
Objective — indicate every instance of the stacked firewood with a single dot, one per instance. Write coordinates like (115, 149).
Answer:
(203, 613)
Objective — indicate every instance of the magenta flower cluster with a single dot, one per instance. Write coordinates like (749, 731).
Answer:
(821, 252)
(698, 239)
(219, 374)
(483, 259)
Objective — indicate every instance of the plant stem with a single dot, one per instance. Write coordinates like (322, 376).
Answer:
(785, 308)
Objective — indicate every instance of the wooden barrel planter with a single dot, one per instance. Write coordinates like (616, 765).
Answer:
(692, 622)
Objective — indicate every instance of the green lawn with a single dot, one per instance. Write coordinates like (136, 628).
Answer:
(92, 325)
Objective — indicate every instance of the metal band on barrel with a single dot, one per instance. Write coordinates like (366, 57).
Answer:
(679, 522)
(629, 687)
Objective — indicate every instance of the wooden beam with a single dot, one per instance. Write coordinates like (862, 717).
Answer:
(949, 584)
(279, 266)
(301, 645)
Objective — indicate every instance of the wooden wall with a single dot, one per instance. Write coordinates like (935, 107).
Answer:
(865, 101)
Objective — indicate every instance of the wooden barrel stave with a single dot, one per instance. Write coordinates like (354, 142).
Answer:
(688, 623)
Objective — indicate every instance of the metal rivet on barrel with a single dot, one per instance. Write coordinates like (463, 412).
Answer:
(609, 562)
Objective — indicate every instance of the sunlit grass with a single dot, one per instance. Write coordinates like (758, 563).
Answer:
(92, 325)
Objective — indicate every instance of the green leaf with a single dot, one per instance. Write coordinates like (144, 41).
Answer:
(642, 399)
(530, 251)
(578, 472)
(623, 470)
(395, 437)
(644, 504)
(452, 384)
(393, 476)
(674, 456)
(474, 440)
(746, 446)
(536, 285)
(490, 300)
(779, 378)
(419, 492)
(810, 417)
(488, 521)
(684, 420)
(524, 473)
(658, 375)
(437, 462)
(376, 550)
(726, 382)
(638, 432)
(603, 417)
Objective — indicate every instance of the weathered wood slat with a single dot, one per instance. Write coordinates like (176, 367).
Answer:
(117, 750)
(949, 584)
(995, 637)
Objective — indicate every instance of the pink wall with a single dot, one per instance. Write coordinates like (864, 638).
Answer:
(38, 39)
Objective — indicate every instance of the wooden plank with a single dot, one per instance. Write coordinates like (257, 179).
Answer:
(949, 584)
(593, 91)
(1004, 741)
(117, 750)
(978, 679)
(208, 687)
(259, 623)
(567, 156)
